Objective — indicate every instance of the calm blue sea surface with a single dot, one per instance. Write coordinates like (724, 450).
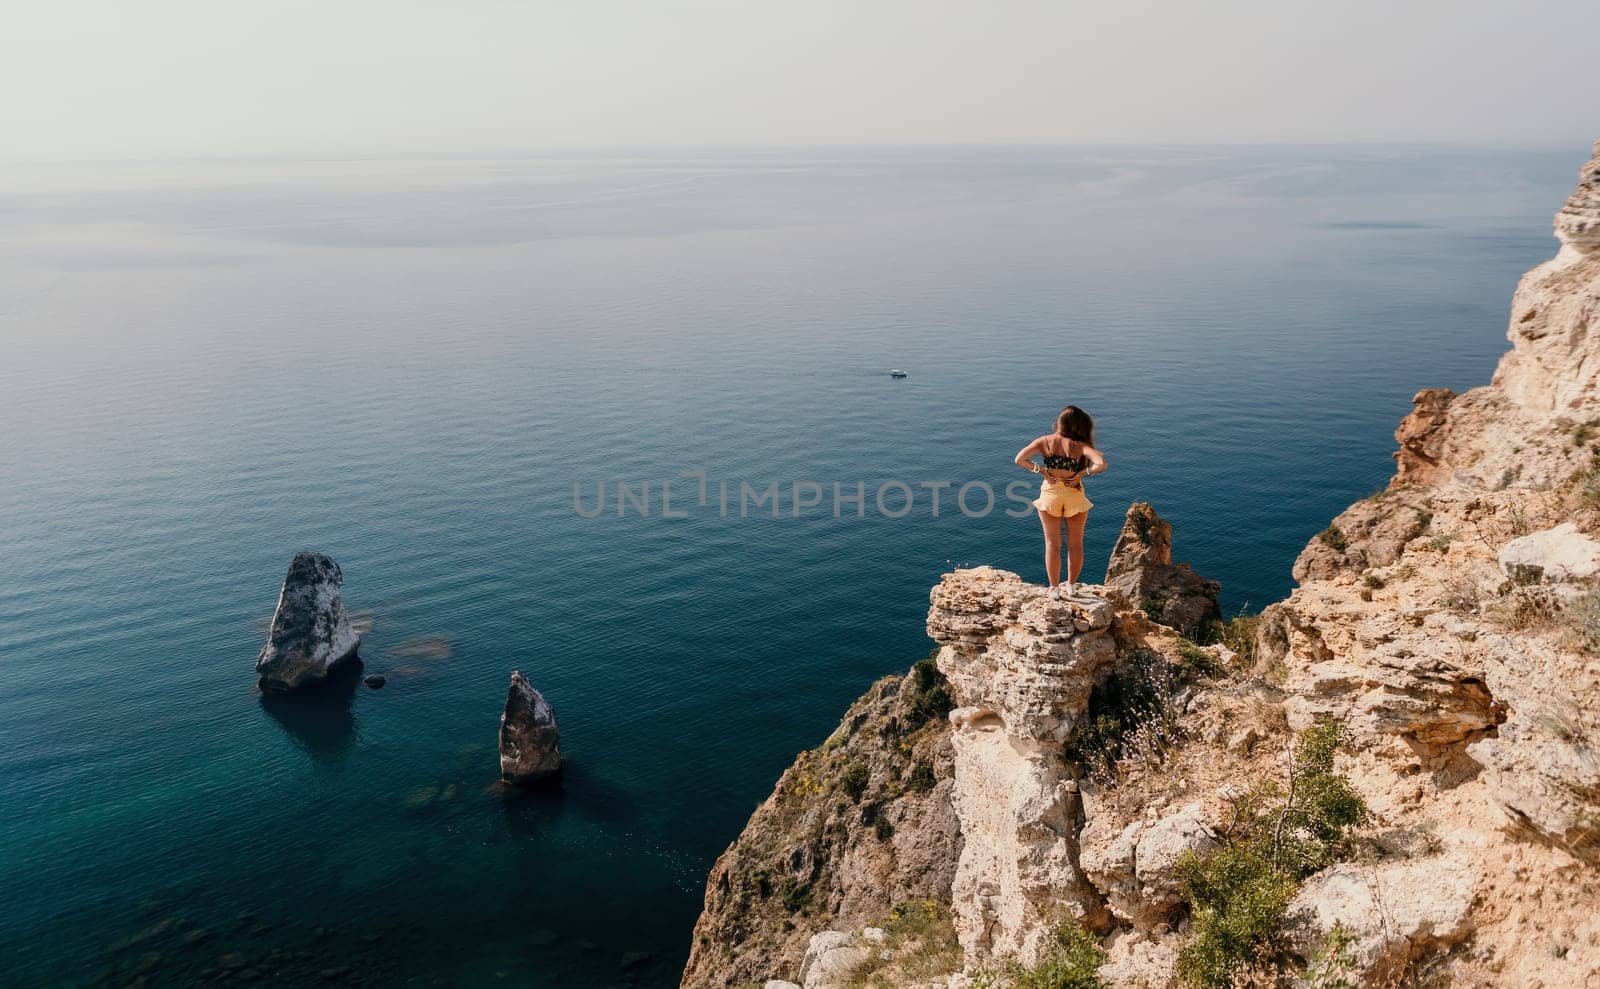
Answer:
(408, 364)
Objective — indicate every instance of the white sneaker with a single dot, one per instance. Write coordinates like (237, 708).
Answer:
(1072, 590)
(1055, 593)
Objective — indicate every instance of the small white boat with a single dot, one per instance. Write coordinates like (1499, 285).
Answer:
(895, 372)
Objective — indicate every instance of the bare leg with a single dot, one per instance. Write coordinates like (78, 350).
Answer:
(1075, 546)
(1052, 546)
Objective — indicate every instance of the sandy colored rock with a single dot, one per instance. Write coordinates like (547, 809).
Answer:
(1578, 223)
(830, 958)
(1135, 864)
(1393, 912)
(1555, 555)
(1020, 672)
(1141, 574)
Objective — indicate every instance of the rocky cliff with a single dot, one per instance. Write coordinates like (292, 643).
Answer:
(1092, 760)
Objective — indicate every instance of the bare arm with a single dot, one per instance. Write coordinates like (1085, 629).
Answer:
(1024, 458)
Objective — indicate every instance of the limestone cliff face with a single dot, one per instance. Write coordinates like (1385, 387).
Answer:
(1451, 622)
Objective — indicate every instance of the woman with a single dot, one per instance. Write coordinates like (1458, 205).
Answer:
(1069, 456)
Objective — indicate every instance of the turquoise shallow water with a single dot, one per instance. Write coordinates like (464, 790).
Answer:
(408, 364)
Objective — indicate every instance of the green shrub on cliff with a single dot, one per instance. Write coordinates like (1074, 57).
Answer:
(1072, 962)
(855, 779)
(1279, 835)
(931, 693)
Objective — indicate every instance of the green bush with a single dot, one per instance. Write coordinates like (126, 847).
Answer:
(855, 779)
(1240, 636)
(1279, 835)
(1334, 536)
(795, 894)
(1197, 662)
(930, 692)
(922, 779)
(1072, 962)
(1320, 808)
(1238, 900)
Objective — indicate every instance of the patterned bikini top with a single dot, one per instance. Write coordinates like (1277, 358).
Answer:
(1056, 461)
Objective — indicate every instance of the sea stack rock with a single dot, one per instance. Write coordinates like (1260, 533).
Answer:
(1141, 574)
(1578, 223)
(530, 742)
(311, 634)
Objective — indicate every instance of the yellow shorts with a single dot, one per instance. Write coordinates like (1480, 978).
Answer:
(1062, 500)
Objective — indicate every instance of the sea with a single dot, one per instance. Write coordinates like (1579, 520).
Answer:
(621, 421)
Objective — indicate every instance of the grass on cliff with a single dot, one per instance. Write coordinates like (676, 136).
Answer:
(1072, 962)
(921, 943)
(1279, 834)
(1584, 617)
(1130, 715)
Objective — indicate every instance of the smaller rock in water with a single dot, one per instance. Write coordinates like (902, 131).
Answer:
(375, 681)
(530, 742)
(310, 635)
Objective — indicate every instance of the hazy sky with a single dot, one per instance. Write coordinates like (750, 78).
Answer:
(150, 77)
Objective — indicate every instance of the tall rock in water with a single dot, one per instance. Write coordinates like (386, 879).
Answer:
(1141, 574)
(530, 742)
(310, 635)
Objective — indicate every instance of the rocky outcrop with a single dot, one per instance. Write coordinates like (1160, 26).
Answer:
(1578, 223)
(1136, 864)
(1557, 555)
(857, 824)
(1421, 436)
(1141, 574)
(530, 741)
(1388, 914)
(1021, 667)
(310, 637)
(830, 958)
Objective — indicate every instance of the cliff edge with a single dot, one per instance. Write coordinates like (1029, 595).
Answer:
(1391, 777)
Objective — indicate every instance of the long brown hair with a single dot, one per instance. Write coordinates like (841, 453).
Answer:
(1075, 424)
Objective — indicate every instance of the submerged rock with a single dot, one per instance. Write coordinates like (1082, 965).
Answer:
(375, 681)
(310, 635)
(1141, 574)
(530, 742)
